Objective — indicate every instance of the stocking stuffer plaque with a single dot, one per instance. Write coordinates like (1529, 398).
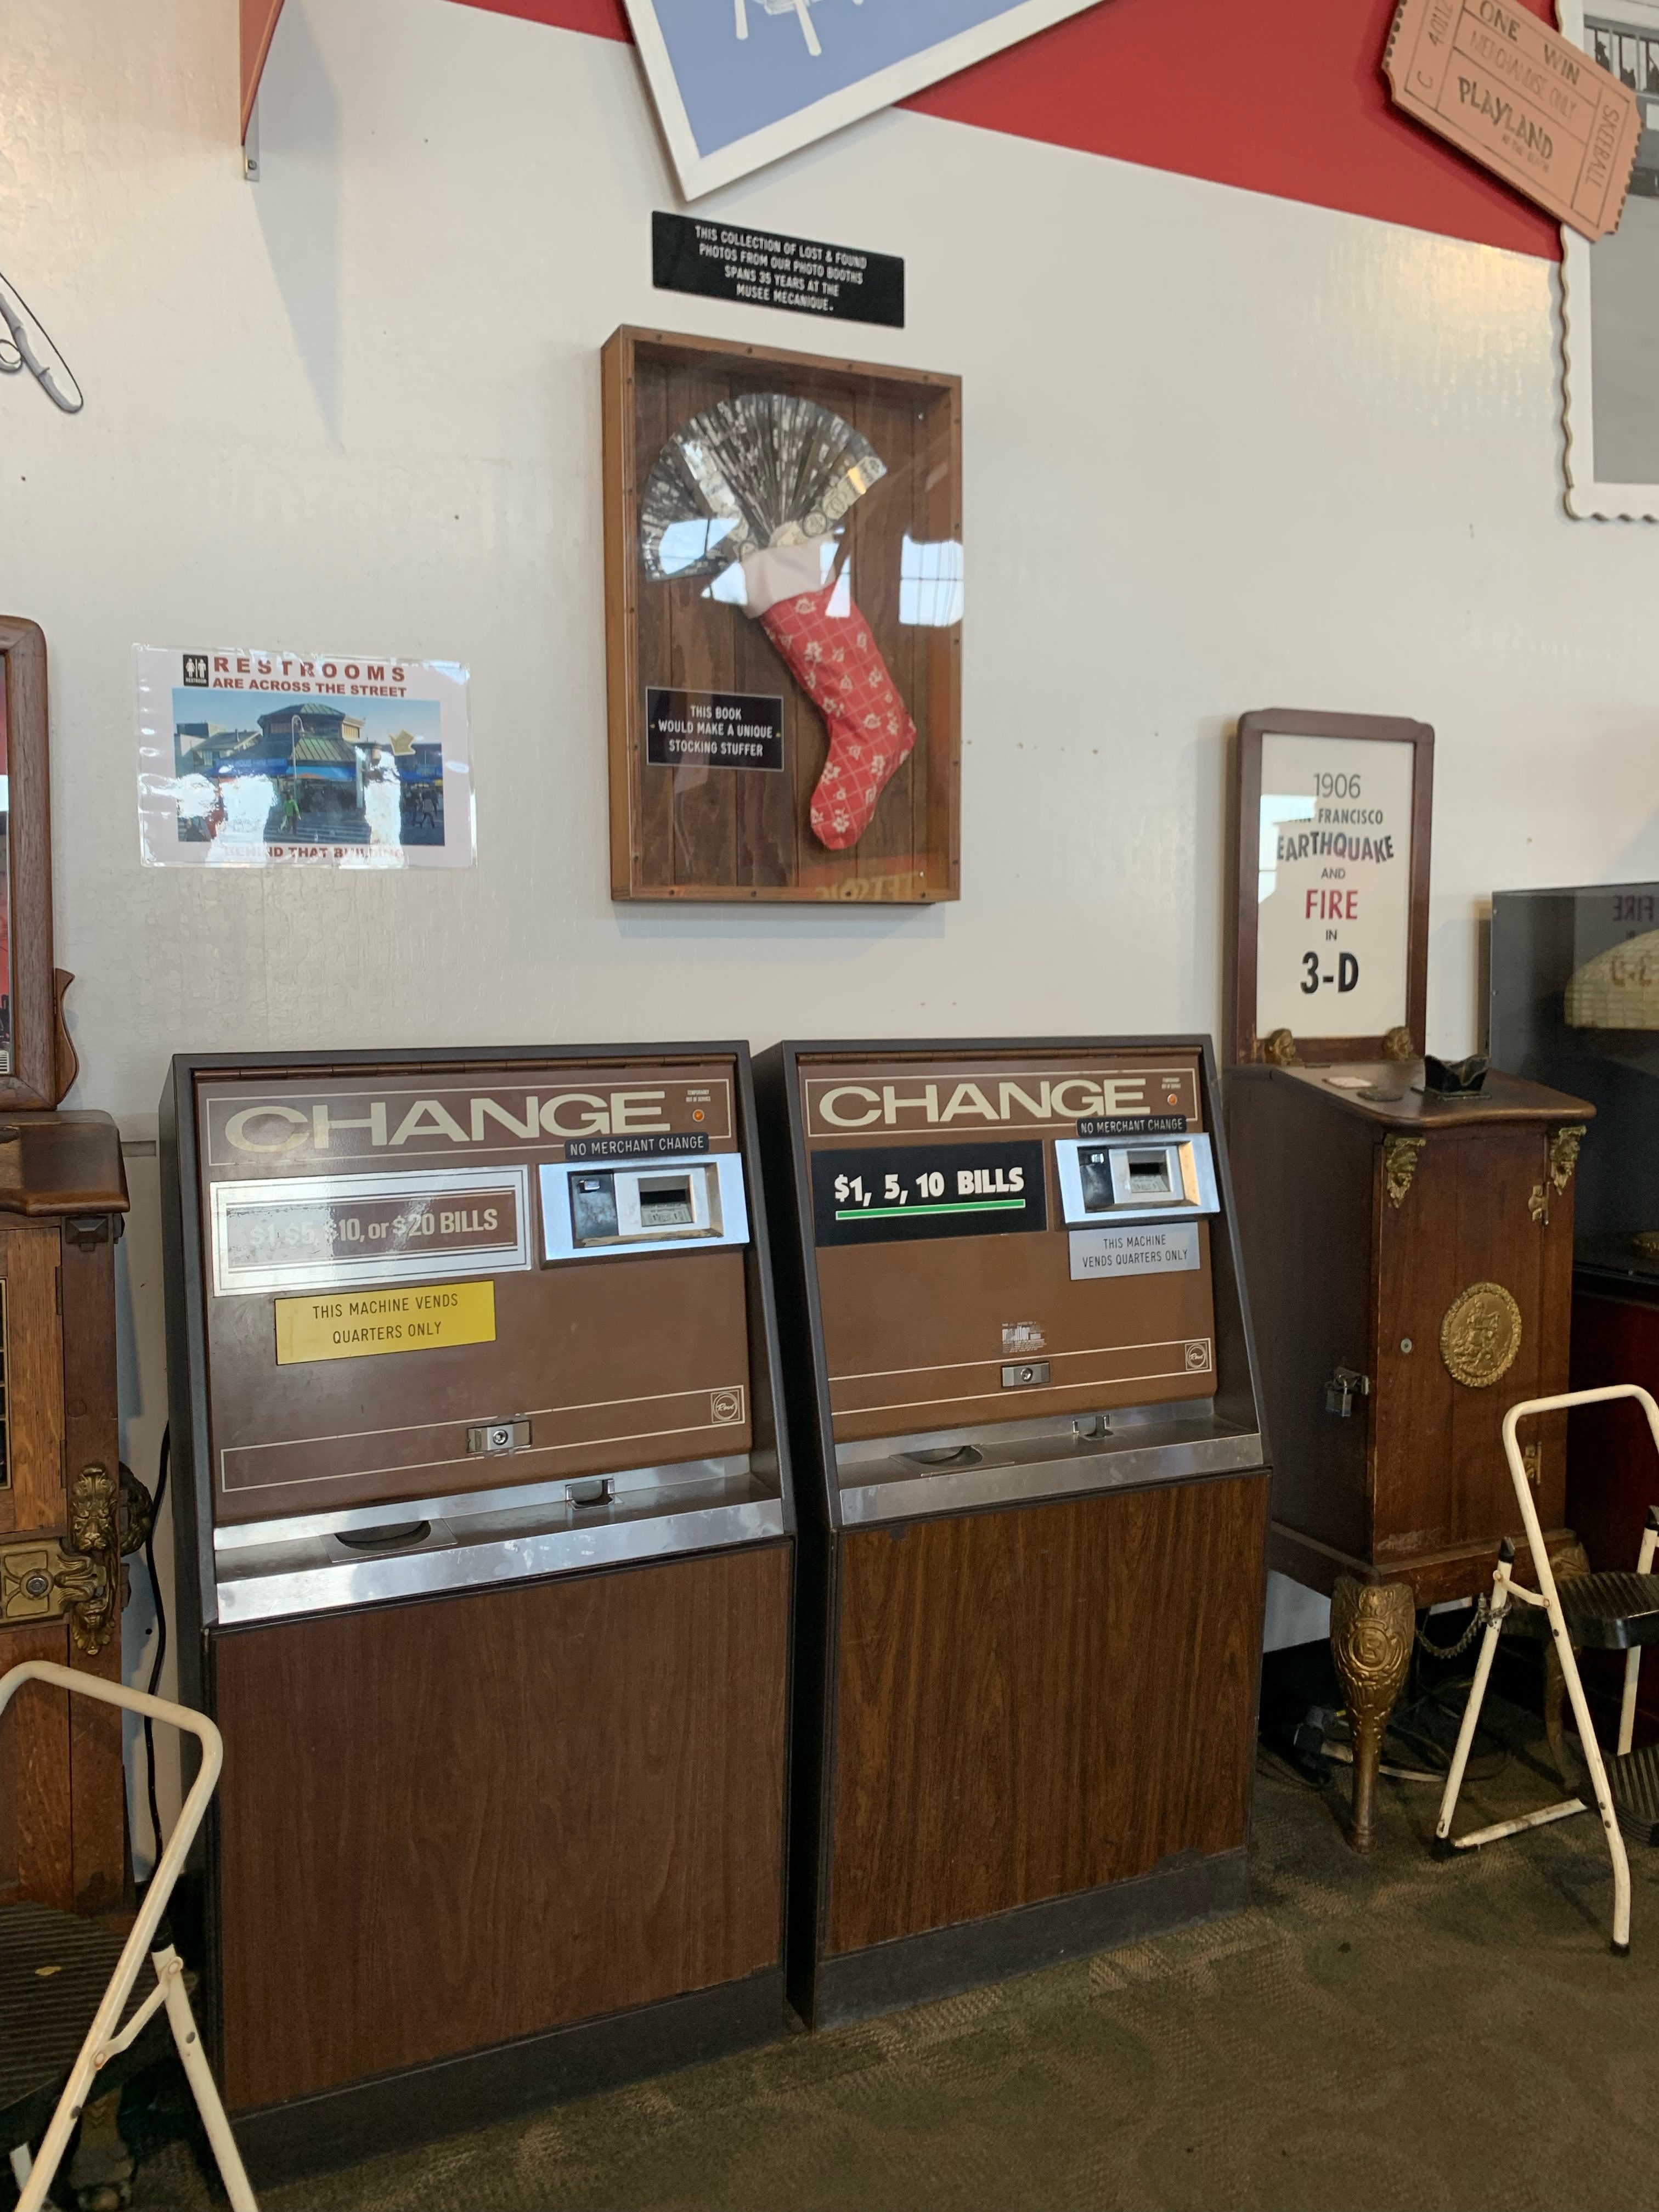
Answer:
(783, 541)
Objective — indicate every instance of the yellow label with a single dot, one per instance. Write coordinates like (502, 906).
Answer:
(355, 1324)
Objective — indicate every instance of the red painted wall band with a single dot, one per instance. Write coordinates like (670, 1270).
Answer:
(1284, 97)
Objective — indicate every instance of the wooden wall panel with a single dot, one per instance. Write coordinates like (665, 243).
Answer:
(1038, 1700)
(36, 1844)
(34, 1379)
(449, 1824)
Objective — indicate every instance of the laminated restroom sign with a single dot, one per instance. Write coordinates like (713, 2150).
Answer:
(1334, 885)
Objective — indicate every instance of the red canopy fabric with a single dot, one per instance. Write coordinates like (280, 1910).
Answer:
(1280, 96)
(258, 21)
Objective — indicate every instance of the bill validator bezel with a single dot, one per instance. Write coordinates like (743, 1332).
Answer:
(1188, 1166)
(713, 1184)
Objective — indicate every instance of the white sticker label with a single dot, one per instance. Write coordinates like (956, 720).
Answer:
(1149, 1247)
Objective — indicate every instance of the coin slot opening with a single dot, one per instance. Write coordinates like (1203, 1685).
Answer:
(389, 1538)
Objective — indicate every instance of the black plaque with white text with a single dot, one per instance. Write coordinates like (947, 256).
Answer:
(712, 729)
(722, 261)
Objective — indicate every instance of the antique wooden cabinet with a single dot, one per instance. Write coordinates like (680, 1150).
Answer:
(64, 1510)
(1033, 1506)
(1410, 1266)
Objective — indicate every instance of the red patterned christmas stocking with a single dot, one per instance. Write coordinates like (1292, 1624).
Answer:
(837, 662)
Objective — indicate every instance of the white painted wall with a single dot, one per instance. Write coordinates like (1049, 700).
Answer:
(1222, 451)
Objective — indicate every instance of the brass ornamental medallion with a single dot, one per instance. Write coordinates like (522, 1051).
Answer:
(1480, 1335)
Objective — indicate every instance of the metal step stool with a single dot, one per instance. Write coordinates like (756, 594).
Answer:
(1605, 1612)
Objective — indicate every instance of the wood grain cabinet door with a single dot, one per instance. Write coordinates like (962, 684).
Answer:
(1474, 1291)
(63, 1815)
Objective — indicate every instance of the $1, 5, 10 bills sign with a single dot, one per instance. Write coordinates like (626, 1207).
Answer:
(1334, 879)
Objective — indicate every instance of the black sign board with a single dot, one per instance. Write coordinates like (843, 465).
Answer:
(634, 1148)
(893, 1194)
(722, 261)
(712, 729)
(1134, 1125)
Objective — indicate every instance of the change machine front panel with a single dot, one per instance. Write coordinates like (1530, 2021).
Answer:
(1034, 1512)
(472, 1404)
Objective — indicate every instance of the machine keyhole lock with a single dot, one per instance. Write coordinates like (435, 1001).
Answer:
(1343, 1387)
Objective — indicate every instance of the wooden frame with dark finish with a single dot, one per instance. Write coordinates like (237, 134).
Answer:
(37, 1077)
(1242, 847)
(744, 839)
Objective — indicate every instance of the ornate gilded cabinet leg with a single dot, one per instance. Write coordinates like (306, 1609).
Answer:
(1372, 1624)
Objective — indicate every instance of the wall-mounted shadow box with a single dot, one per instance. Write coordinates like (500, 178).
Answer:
(783, 624)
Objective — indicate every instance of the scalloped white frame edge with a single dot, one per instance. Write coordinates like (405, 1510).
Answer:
(1589, 499)
(699, 173)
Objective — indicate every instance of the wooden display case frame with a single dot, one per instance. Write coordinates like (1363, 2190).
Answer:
(1238, 1026)
(42, 1065)
(888, 865)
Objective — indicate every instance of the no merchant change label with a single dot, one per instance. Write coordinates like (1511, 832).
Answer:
(903, 1193)
(712, 729)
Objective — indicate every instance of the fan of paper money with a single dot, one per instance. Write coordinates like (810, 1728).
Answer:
(764, 470)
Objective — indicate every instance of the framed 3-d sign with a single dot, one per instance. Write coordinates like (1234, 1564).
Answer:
(1332, 817)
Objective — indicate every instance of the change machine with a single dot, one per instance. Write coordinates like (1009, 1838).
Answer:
(1035, 1508)
(485, 1522)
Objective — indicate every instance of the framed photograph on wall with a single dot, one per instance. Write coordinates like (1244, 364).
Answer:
(1610, 293)
(1332, 816)
(739, 84)
(783, 624)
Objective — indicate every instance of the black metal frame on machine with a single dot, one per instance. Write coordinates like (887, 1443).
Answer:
(934, 1962)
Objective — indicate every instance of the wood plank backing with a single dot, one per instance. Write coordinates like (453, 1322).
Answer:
(449, 1823)
(92, 1437)
(34, 1499)
(1038, 1700)
(36, 1844)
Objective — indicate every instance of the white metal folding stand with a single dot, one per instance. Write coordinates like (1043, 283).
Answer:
(103, 2043)
(1507, 1592)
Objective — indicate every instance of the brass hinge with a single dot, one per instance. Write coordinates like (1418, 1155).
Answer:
(44, 1578)
(1532, 1458)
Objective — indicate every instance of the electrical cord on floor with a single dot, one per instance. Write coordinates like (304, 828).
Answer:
(161, 1637)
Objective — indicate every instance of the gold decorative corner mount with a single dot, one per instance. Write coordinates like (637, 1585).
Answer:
(1279, 1050)
(1564, 1153)
(1397, 1045)
(1399, 1156)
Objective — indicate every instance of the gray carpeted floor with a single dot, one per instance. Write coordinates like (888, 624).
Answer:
(1390, 2032)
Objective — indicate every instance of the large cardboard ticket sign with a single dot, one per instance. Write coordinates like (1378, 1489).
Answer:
(425, 1284)
(1009, 1234)
(1521, 100)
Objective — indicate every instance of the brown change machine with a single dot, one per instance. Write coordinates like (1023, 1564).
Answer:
(1035, 1510)
(485, 1522)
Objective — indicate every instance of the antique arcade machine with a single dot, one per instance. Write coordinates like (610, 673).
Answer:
(487, 1529)
(1033, 1506)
